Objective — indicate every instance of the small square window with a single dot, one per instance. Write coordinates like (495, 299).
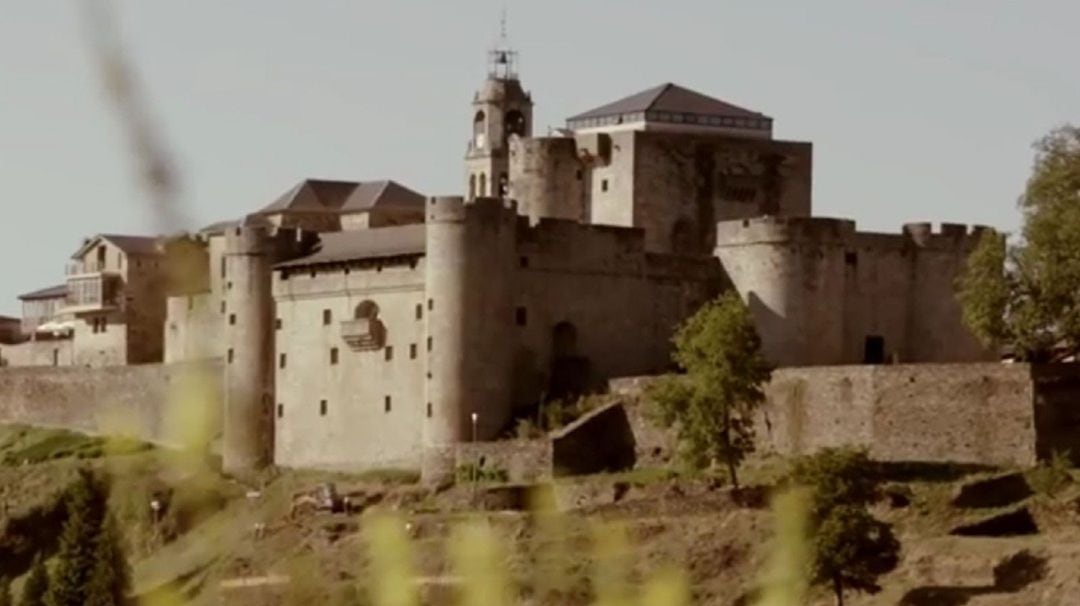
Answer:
(430, 304)
(523, 262)
(429, 342)
(412, 351)
(579, 175)
(232, 319)
(277, 324)
(603, 185)
(429, 411)
(281, 361)
(386, 404)
(230, 355)
(521, 316)
(389, 352)
(322, 408)
(333, 355)
(851, 258)
(280, 410)
(228, 286)
(419, 311)
(327, 317)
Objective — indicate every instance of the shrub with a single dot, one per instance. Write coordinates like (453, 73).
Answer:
(1049, 478)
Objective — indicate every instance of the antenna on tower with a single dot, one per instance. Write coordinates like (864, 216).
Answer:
(502, 59)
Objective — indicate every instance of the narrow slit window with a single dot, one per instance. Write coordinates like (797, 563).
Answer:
(327, 317)
(322, 408)
(333, 355)
(281, 361)
(389, 352)
(386, 404)
(412, 351)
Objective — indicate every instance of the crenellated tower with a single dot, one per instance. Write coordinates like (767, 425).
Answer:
(470, 267)
(501, 109)
(251, 250)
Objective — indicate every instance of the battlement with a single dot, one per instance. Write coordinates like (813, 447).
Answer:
(454, 209)
(923, 233)
(265, 239)
(763, 230)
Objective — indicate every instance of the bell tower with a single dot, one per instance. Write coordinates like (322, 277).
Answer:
(500, 110)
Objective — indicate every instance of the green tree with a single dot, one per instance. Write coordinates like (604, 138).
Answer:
(851, 548)
(78, 541)
(36, 585)
(110, 578)
(1028, 295)
(5, 591)
(712, 404)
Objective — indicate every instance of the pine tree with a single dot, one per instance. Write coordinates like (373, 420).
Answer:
(111, 577)
(5, 591)
(36, 586)
(75, 558)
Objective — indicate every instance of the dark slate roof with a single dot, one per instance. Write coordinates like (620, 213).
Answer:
(380, 242)
(52, 292)
(131, 245)
(319, 195)
(669, 98)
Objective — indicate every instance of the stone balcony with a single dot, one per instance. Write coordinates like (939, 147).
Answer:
(363, 334)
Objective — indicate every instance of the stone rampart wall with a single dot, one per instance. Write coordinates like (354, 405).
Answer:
(1004, 414)
(159, 403)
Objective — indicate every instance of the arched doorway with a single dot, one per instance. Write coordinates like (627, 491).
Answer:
(570, 371)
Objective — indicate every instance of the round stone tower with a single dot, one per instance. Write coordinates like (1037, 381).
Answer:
(470, 261)
(250, 254)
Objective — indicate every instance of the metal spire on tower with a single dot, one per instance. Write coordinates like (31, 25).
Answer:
(502, 58)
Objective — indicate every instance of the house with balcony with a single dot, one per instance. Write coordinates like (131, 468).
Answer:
(116, 292)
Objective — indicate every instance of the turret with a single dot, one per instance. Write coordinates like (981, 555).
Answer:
(470, 262)
(250, 254)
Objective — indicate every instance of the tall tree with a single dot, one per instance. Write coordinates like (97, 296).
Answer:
(110, 578)
(78, 541)
(36, 585)
(851, 548)
(1028, 295)
(712, 404)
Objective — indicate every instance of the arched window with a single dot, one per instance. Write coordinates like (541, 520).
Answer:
(479, 127)
(472, 186)
(366, 310)
(514, 124)
(481, 190)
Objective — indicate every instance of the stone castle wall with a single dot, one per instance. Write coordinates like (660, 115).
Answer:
(988, 413)
(152, 402)
(822, 292)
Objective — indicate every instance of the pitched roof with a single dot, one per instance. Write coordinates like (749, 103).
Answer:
(669, 97)
(52, 292)
(319, 195)
(218, 227)
(380, 242)
(132, 245)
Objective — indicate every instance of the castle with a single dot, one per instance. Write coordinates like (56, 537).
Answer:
(362, 324)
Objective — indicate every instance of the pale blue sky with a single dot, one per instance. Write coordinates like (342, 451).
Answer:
(918, 110)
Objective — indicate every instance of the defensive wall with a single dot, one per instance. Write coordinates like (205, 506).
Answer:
(160, 403)
(987, 413)
(823, 293)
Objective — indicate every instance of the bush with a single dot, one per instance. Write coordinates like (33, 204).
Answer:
(1049, 478)
(470, 472)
